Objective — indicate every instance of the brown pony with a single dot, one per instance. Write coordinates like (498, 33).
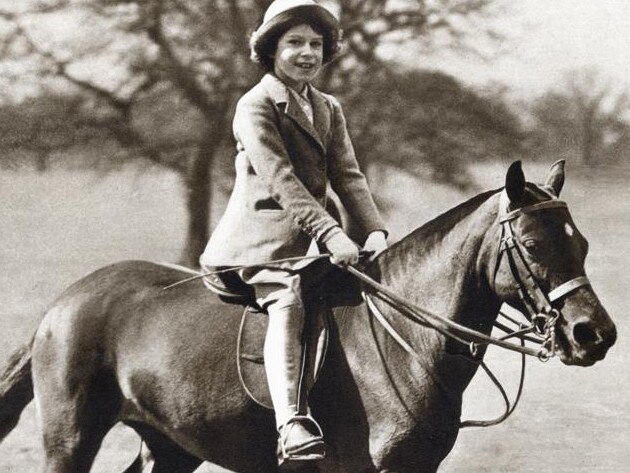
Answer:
(116, 347)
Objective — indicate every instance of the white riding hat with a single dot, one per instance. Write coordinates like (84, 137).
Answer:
(293, 12)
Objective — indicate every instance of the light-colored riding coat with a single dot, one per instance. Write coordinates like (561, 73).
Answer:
(283, 165)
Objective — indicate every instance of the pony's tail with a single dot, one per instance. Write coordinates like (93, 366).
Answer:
(16, 389)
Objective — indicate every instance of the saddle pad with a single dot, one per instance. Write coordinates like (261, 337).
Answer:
(250, 360)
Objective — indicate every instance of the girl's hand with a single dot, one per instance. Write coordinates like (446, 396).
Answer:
(376, 242)
(344, 251)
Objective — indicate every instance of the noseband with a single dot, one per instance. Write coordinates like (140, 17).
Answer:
(538, 304)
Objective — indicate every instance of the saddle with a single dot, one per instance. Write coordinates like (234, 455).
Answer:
(337, 288)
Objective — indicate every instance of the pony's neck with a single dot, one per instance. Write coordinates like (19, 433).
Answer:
(443, 267)
(445, 256)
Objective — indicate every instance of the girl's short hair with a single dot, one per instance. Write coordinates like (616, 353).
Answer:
(264, 41)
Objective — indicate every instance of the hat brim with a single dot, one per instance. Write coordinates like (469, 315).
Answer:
(308, 14)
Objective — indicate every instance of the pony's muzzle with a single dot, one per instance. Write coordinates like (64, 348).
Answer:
(590, 340)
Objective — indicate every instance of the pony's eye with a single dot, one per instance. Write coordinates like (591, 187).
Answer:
(531, 245)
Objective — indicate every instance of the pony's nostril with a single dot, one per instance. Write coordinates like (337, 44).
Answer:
(584, 334)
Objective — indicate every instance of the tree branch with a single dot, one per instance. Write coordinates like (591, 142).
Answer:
(120, 127)
(180, 73)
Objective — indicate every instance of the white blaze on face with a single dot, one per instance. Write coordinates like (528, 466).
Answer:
(569, 229)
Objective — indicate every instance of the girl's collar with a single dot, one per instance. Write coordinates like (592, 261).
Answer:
(279, 91)
(303, 92)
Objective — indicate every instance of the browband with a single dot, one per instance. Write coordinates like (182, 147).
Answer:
(547, 204)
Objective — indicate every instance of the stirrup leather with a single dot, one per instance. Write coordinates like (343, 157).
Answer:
(311, 450)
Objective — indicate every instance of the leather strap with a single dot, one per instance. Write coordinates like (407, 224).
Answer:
(567, 287)
(547, 204)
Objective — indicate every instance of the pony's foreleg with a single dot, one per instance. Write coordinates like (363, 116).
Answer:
(16, 389)
(159, 454)
(143, 463)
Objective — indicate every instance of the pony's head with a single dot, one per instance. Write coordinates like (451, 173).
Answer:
(540, 268)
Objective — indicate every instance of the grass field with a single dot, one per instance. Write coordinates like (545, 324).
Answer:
(59, 226)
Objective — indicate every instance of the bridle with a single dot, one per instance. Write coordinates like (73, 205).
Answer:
(538, 304)
(540, 313)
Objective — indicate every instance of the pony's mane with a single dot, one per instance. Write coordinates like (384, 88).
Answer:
(444, 222)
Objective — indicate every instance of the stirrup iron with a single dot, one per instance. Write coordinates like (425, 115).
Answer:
(312, 450)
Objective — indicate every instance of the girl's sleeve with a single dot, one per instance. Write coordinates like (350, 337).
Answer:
(346, 178)
(256, 130)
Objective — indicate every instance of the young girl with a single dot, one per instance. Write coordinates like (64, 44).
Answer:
(292, 140)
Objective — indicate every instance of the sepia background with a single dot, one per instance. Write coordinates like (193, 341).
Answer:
(115, 140)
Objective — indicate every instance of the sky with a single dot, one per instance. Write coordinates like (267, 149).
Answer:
(545, 39)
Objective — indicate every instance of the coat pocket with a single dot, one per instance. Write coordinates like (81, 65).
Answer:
(267, 205)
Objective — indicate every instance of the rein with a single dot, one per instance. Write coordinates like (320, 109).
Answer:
(445, 326)
(427, 318)
(540, 312)
(541, 315)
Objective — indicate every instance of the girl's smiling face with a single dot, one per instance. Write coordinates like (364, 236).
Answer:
(299, 56)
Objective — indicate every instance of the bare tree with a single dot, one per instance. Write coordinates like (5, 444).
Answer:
(588, 117)
(178, 53)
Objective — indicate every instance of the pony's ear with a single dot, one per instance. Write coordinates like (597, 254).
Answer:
(515, 182)
(555, 178)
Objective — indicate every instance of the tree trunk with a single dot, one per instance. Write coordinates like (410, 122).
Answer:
(588, 137)
(41, 161)
(198, 199)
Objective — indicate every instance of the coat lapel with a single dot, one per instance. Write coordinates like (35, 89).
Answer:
(321, 114)
(281, 95)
